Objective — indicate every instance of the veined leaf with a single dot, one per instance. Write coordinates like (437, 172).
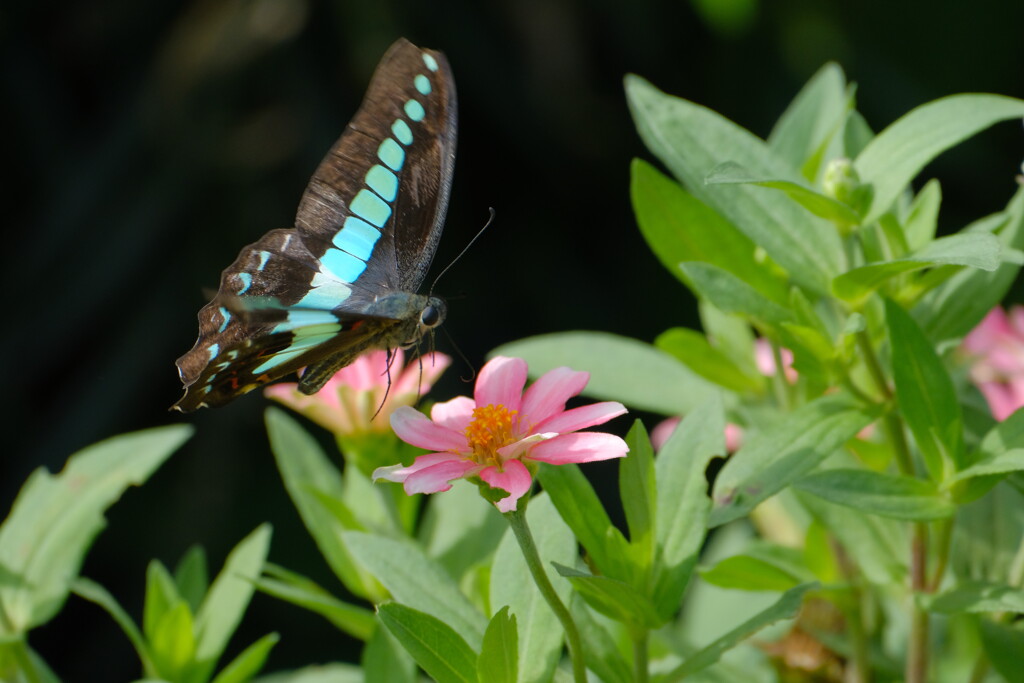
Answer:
(879, 494)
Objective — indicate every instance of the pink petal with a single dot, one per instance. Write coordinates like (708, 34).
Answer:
(547, 396)
(399, 473)
(420, 374)
(413, 427)
(1016, 320)
(579, 447)
(438, 477)
(501, 382)
(662, 431)
(734, 436)
(987, 333)
(582, 417)
(515, 479)
(455, 414)
(1000, 398)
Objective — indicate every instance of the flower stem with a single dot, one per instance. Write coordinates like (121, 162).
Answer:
(517, 520)
(640, 657)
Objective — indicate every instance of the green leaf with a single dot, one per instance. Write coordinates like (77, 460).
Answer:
(815, 115)
(173, 643)
(621, 369)
(540, 633)
(898, 153)
(356, 621)
(55, 518)
(498, 662)
(925, 394)
(578, 505)
(161, 595)
(731, 295)
(600, 649)
(978, 596)
(384, 659)
(691, 140)
(249, 662)
(417, 581)
(693, 350)
(228, 598)
(816, 202)
(190, 576)
(976, 250)
(979, 478)
(923, 217)
(614, 598)
(95, 593)
(772, 569)
(683, 501)
(1003, 645)
(879, 494)
(458, 532)
(786, 607)
(435, 646)
(679, 227)
(638, 496)
(954, 307)
(784, 452)
(310, 478)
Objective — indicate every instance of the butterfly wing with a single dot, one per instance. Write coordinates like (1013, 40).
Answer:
(343, 279)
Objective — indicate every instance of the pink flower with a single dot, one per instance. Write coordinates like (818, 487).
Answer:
(765, 359)
(498, 432)
(997, 344)
(353, 401)
(663, 430)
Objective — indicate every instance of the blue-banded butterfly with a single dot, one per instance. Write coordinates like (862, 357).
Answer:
(343, 279)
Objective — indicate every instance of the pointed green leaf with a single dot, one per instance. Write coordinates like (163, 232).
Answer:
(417, 581)
(925, 394)
(898, 153)
(691, 140)
(923, 217)
(731, 295)
(498, 662)
(249, 662)
(976, 250)
(173, 643)
(679, 227)
(621, 369)
(815, 115)
(636, 490)
(978, 596)
(683, 501)
(190, 576)
(954, 307)
(879, 494)
(435, 646)
(55, 518)
(763, 568)
(693, 350)
(813, 200)
(356, 621)
(786, 607)
(228, 597)
(310, 477)
(600, 648)
(161, 595)
(540, 634)
(614, 598)
(784, 452)
(458, 532)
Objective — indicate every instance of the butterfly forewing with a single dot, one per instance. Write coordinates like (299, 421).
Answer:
(343, 280)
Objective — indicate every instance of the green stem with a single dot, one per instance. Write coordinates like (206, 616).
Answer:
(917, 649)
(892, 422)
(24, 662)
(640, 657)
(517, 520)
(942, 546)
(860, 662)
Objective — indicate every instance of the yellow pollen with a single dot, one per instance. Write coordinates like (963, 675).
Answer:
(490, 429)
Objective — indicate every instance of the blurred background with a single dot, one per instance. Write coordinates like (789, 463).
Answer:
(149, 141)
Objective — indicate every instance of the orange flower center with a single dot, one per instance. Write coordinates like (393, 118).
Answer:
(491, 428)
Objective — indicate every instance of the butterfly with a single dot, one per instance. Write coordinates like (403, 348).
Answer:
(343, 280)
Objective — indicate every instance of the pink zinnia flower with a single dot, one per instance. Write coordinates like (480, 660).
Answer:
(498, 432)
(997, 344)
(353, 401)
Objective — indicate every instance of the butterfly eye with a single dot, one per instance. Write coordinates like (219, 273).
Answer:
(430, 317)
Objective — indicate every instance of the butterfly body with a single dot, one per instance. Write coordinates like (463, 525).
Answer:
(343, 280)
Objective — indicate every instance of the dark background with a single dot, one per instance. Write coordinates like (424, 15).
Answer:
(148, 141)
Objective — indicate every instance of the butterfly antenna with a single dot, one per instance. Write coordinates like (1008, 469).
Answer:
(464, 249)
(387, 371)
(472, 370)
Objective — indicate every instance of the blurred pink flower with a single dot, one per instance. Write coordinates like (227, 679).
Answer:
(765, 359)
(353, 401)
(997, 348)
(493, 434)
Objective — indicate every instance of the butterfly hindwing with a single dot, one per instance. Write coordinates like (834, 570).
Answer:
(343, 280)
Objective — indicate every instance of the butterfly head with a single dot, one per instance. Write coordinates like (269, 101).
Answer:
(431, 316)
